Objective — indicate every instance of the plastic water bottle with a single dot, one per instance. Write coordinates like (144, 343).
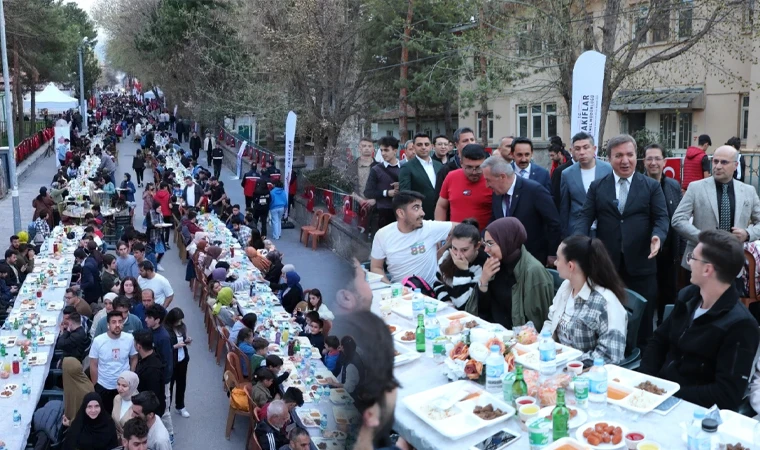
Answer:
(597, 389)
(418, 303)
(494, 370)
(712, 439)
(25, 392)
(547, 350)
(432, 328)
(695, 435)
(16, 419)
(323, 424)
(26, 370)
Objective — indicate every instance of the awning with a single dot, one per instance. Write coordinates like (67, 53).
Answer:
(659, 99)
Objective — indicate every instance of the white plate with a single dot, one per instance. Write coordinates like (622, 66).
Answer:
(345, 415)
(403, 307)
(37, 359)
(531, 360)
(567, 441)
(462, 422)
(329, 444)
(55, 306)
(373, 277)
(584, 427)
(9, 341)
(628, 380)
(400, 333)
(575, 422)
(737, 426)
(405, 355)
(306, 417)
(340, 396)
(45, 339)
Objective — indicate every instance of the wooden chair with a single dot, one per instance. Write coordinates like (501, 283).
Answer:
(312, 227)
(254, 443)
(243, 359)
(326, 327)
(224, 336)
(253, 416)
(231, 382)
(320, 232)
(182, 249)
(752, 298)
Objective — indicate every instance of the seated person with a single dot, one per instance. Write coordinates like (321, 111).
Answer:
(268, 432)
(293, 398)
(314, 303)
(245, 344)
(248, 321)
(586, 314)
(299, 440)
(315, 335)
(263, 379)
(274, 363)
(305, 319)
(460, 269)
(331, 354)
(260, 348)
(708, 343)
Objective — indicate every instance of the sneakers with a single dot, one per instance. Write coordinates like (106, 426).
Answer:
(160, 268)
(184, 412)
(171, 439)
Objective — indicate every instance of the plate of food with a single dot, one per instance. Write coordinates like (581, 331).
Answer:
(345, 415)
(339, 396)
(566, 443)
(55, 306)
(601, 435)
(10, 387)
(45, 339)
(47, 322)
(334, 434)
(405, 336)
(28, 306)
(8, 341)
(309, 417)
(393, 329)
(404, 355)
(6, 393)
(527, 355)
(636, 391)
(324, 379)
(577, 416)
(37, 359)
(328, 444)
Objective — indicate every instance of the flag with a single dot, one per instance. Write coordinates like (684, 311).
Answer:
(588, 83)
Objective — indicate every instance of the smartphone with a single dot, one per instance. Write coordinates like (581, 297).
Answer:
(498, 441)
(667, 406)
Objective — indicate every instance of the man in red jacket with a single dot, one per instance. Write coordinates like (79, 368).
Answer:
(696, 163)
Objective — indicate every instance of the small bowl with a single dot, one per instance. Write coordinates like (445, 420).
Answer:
(575, 367)
(648, 445)
(525, 400)
(525, 416)
(631, 444)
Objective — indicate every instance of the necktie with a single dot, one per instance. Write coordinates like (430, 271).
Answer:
(505, 205)
(623, 195)
(524, 173)
(725, 209)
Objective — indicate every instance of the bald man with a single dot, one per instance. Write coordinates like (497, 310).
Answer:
(724, 203)
(505, 148)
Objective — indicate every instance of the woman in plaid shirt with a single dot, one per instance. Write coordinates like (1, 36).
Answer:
(587, 313)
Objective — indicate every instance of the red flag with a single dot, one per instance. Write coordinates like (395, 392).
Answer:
(348, 214)
(364, 219)
(309, 196)
(672, 168)
(329, 202)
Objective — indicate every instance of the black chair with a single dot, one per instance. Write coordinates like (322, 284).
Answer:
(635, 306)
(557, 279)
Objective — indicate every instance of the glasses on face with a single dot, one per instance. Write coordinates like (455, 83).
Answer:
(721, 162)
(488, 244)
(690, 257)
(654, 159)
(470, 169)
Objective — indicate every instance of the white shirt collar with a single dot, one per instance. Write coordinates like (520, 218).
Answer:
(584, 293)
(387, 164)
(512, 188)
(427, 163)
(617, 178)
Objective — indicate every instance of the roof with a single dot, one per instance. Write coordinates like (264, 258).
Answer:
(657, 99)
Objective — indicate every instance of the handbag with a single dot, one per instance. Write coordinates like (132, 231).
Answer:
(159, 247)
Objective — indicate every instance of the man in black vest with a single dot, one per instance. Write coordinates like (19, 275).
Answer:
(382, 183)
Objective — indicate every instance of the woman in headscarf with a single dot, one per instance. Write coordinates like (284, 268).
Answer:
(209, 261)
(75, 386)
(275, 268)
(92, 428)
(255, 245)
(191, 250)
(519, 288)
(293, 293)
(225, 306)
(122, 403)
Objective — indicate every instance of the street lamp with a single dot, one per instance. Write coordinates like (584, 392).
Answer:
(82, 104)
(9, 125)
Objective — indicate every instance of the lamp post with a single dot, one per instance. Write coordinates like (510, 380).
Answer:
(9, 125)
(82, 104)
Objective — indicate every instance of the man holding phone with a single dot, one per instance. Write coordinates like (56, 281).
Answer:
(382, 182)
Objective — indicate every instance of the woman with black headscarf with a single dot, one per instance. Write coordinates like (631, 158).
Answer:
(92, 428)
(520, 289)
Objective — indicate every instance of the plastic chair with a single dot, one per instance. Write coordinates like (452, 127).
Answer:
(752, 296)
(313, 226)
(635, 306)
(557, 279)
(231, 382)
(237, 370)
(321, 231)
(224, 336)
(243, 361)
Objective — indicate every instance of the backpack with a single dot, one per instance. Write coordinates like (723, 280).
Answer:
(414, 282)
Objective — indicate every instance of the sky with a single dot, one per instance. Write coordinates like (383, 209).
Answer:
(87, 6)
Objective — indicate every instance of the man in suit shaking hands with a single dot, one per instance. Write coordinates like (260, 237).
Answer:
(419, 174)
(630, 211)
(522, 152)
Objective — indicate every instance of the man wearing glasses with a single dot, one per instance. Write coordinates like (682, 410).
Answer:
(464, 193)
(724, 203)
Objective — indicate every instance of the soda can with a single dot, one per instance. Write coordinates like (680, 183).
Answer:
(581, 391)
(397, 290)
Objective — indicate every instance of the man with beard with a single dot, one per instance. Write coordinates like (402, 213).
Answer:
(420, 174)
(408, 246)
(462, 138)
(464, 192)
(111, 354)
(357, 296)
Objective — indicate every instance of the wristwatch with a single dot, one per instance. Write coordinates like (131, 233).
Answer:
(481, 285)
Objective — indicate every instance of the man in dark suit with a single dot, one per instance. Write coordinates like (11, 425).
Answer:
(669, 258)
(419, 174)
(630, 210)
(195, 146)
(522, 152)
(527, 201)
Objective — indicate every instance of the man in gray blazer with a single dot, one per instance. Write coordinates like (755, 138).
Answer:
(733, 205)
(577, 178)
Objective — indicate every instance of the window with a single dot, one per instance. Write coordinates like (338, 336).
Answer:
(675, 130)
(744, 126)
(522, 120)
(661, 21)
(685, 14)
(535, 122)
(389, 133)
(640, 20)
(490, 126)
(551, 119)
(668, 130)
(748, 14)
(684, 130)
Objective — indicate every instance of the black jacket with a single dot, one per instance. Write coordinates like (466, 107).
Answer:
(644, 216)
(379, 180)
(150, 370)
(175, 352)
(195, 143)
(672, 191)
(710, 357)
(557, 181)
(73, 343)
(269, 437)
(11, 279)
(273, 276)
(412, 176)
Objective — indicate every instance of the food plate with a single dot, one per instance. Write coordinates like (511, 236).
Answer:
(623, 384)
(373, 277)
(574, 422)
(8, 341)
(47, 322)
(393, 329)
(6, 393)
(28, 306)
(334, 434)
(454, 323)
(456, 419)
(324, 378)
(309, 417)
(404, 355)
(583, 441)
(55, 306)
(340, 396)
(736, 426)
(10, 387)
(45, 339)
(401, 334)
(37, 359)
(566, 443)
(328, 444)
(344, 415)
(527, 355)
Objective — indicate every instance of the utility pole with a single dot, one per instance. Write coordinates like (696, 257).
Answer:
(9, 124)
(82, 104)
(403, 99)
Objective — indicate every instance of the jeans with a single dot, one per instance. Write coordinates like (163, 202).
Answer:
(276, 215)
(166, 417)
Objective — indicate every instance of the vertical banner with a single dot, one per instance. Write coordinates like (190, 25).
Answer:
(290, 138)
(175, 110)
(588, 83)
(239, 170)
(62, 144)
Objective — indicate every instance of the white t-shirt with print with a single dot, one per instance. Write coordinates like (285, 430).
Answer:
(113, 357)
(412, 253)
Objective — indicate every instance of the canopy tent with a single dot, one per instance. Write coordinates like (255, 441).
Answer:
(52, 99)
(150, 95)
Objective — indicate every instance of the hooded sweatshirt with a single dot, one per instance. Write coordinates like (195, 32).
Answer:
(693, 166)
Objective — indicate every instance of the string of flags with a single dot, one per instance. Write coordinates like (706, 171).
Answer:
(352, 212)
(257, 154)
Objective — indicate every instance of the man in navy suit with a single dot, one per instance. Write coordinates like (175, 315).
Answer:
(576, 180)
(522, 153)
(630, 211)
(527, 201)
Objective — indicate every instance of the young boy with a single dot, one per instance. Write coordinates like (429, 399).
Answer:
(331, 353)
(260, 346)
(316, 337)
(305, 321)
(274, 363)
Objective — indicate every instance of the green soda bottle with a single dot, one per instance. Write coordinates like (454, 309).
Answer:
(560, 416)
(419, 334)
(519, 387)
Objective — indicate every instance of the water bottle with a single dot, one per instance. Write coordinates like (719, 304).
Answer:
(712, 439)
(597, 389)
(323, 424)
(16, 419)
(432, 328)
(26, 370)
(695, 435)
(494, 370)
(418, 303)
(547, 350)
(25, 391)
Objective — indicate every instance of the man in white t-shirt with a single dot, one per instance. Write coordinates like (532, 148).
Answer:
(145, 406)
(409, 245)
(162, 289)
(111, 354)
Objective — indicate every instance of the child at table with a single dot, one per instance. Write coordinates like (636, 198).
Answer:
(260, 347)
(315, 335)
(331, 354)
(260, 394)
(245, 344)
(274, 363)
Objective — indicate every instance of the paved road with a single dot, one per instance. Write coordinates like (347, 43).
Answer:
(205, 400)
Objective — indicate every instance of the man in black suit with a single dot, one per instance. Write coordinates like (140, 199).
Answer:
(419, 174)
(527, 201)
(522, 152)
(630, 210)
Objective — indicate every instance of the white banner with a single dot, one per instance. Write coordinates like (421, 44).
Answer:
(61, 143)
(290, 140)
(175, 110)
(239, 171)
(588, 83)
